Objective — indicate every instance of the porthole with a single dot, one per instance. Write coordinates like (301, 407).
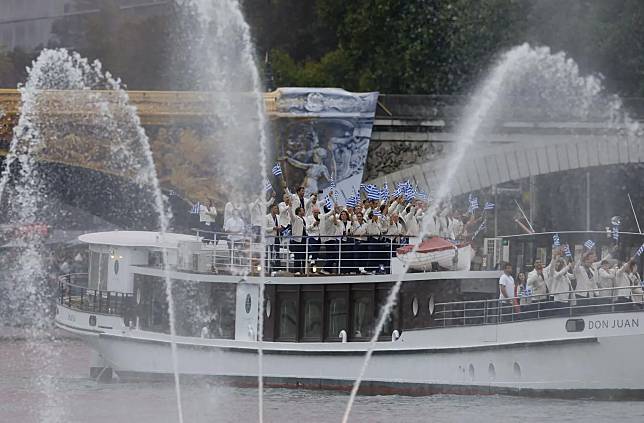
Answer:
(116, 267)
(470, 371)
(414, 306)
(431, 305)
(268, 308)
(249, 303)
(491, 371)
(516, 370)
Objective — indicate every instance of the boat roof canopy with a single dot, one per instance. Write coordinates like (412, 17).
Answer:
(137, 239)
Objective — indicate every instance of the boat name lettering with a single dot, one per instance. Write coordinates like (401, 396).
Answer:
(613, 323)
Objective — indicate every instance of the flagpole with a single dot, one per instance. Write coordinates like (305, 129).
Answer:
(524, 216)
(634, 214)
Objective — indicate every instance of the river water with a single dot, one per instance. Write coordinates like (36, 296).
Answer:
(80, 399)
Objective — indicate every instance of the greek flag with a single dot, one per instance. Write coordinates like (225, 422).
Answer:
(528, 292)
(373, 193)
(267, 185)
(423, 196)
(286, 232)
(640, 251)
(332, 184)
(555, 240)
(566, 250)
(277, 169)
(474, 204)
(615, 233)
(376, 212)
(589, 244)
(384, 192)
(352, 201)
(328, 203)
(398, 191)
(409, 191)
(488, 206)
(195, 208)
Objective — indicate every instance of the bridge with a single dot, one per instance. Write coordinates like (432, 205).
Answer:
(412, 137)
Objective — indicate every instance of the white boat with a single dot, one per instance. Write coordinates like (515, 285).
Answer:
(447, 333)
(437, 251)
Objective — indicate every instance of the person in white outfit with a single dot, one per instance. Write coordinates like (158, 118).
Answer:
(559, 285)
(506, 293)
(272, 230)
(207, 219)
(297, 244)
(606, 279)
(313, 231)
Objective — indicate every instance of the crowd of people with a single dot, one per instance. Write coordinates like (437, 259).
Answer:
(587, 283)
(327, 236)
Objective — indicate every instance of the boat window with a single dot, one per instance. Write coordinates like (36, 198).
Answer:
(337, 316)
(249, 303)
(575, 325)
(361, 315)
(287, 317)
(268, 308)
(312, 317)
(414, 306)
(431, 305)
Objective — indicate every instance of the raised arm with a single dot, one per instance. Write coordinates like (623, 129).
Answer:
(298, 164)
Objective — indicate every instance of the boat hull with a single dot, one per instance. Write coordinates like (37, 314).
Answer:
(521, 358)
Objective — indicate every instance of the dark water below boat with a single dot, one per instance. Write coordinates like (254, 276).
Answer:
(47, 381)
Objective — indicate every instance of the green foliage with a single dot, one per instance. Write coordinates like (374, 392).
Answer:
(392, 46)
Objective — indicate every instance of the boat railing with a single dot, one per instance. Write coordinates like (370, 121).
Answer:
(536, 307)
(310, 255)
(73, 293)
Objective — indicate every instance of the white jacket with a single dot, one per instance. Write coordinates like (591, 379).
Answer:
(559, 282)
(584, 280)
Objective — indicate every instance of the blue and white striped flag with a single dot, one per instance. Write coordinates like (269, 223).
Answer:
(384, 192)
(589, 244)
(332, 184)
(423, 196)
(328, 203)
(488, 206)
(267, 185)
(398, 191)
(351, 202)
(555, 240)
(474, 204)
(409, 191)
(640, 251)
(615, 233)
(195, 208)
(373, 193)
(376, 212)
(277, 169)
(286, 232)
(566, 250)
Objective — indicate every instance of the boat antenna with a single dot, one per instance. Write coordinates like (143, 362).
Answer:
(524, 216)
(634, 214)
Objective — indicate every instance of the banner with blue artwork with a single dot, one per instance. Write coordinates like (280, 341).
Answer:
(322, 137)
